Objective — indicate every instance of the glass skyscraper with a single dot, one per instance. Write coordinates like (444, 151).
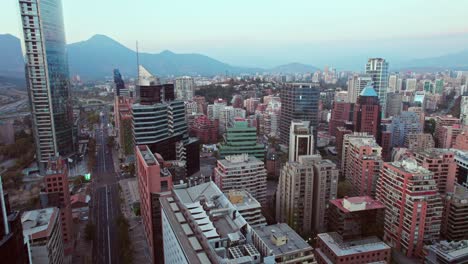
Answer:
(47, 78)
(377, 69)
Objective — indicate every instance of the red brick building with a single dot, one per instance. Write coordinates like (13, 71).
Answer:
(205, 130)
(367, 113)
(341, 113)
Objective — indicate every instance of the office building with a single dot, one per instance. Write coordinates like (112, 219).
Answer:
(158, 120)
(455, 226)
(184, 88)
(56, 193)
(41, 228)
(201, 225)
(445, 252)
(442, 121)
(409, 225)
(13, 248)
(331, 248)
(247, 206)
(439, 86)
(301, 140)
(240, 138)
(214, 109)
(299, 101)
(342, 112)
(154, 182)
(355, 86)
(304, 189)
(355, 217)
(411, 84)
(47, 78)
(402, 125)
(419, 141)
(377, 69)
(251, 105)
(441, 162)
(394, 104)
(123, 124)
(340, 133)
(367, 112)
(242, 172)
(281, 244)
(363, 164)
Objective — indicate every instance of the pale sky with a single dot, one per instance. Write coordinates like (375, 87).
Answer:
(268, 32)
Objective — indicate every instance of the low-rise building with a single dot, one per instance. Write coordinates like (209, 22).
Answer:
(445, 252)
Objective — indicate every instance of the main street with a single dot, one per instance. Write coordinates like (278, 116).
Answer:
(105, 198)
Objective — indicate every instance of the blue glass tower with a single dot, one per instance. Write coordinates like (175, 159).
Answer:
(47, 78)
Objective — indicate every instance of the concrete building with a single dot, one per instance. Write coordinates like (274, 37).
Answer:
(205, 129)
(445, 252)
(342, 112)
(251, 104)
(240, 138)
(409, 225)
(355, 217)
(47, 79)
(242, 172)
(345, 146)
(41, 228)
(394, 104)
(13, 248)
(281, 243)
(301, 139)
(442, 121)
(201, 225)
(419, 141)
(247, 206)
(56, 193)
(299, 101)
(455, 226)
(377, 69)
(441, 162)
(184, 88)
(363, 163)
(447, 135)
(461, 141)
(402, 125)
(411, 84)
(332, 249)
(355, 86)
(368, 112)
(303, 192)
(154, 182)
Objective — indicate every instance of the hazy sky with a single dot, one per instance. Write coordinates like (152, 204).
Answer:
(269, 32)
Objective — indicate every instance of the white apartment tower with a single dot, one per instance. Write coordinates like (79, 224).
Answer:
(377, 69)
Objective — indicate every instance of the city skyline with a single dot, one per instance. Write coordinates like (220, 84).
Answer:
(303, 33)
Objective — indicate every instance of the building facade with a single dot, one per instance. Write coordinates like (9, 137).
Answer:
(355, 86)
(301, 140)
(442, 163)
(240, 138)
(184, 88)
(377, 69)
(455, 227)
(367, 112)
(47, 78)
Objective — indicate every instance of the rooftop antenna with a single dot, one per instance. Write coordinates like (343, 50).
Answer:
(138, 61)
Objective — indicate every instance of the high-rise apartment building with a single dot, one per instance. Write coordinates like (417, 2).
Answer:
(42, 230)
(442, 121)
(411, 84)
(154, 182)
(47, 78)
(242, 172)
(441, 162)
(455, 226)
(120, 89)
(299, 101)
(355, 86)
(377, 68)
(304, 189)
(158, 120)
(368, 112)
(341, 113)
(240, 138)
(301, 140)
(56, 189)
(419, 141)
(363, 163)
(184, 88)
(402, 125)
(205, 129)
(413, 205)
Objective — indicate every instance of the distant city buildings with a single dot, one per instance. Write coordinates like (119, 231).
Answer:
(355, 86)
(377, 69)
(47, 79)
(441, 162)
(184, 88)
(419, 141)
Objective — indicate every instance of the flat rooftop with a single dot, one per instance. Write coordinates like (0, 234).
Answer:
(39, 223)
(451, 251)
(294, 241)
(434, 153)
(357, 204)
(334, 241)
(410, 165)
(242, 200)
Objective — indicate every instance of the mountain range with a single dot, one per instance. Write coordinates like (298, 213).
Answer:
(96, 57)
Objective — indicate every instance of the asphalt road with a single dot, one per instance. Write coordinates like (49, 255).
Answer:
(105, 199)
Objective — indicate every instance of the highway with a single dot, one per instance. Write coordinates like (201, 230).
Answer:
(105, 199)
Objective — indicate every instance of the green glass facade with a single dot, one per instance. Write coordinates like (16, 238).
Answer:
(241, 139)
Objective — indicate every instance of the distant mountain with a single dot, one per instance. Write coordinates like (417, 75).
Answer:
(97, 56)
(293, 68)
(11, 57)
(455, 61)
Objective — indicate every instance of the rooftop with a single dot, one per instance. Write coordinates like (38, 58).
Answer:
(272, 233)
(364, 141)
(242, 200)
(340, 248)
(369, 91)
(410, 165)
(356, 204)
(451, 251)
(39, 223)
(434, 153)
(239, 159)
